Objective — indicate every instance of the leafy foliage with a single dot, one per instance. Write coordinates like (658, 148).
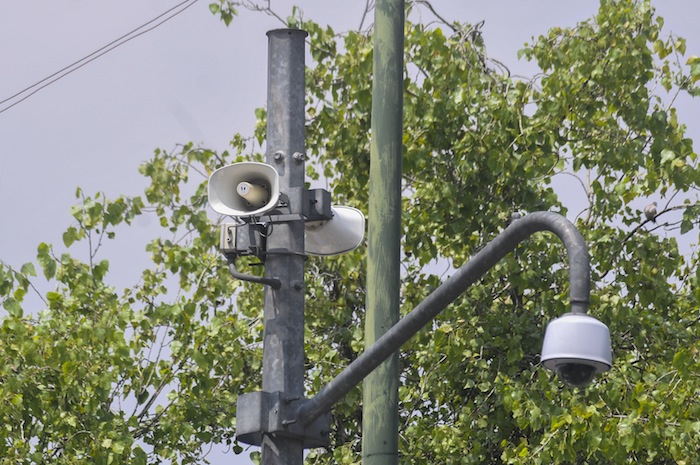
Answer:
(137, 376)
(151, 373)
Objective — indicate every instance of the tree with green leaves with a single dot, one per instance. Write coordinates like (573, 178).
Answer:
(151, 373)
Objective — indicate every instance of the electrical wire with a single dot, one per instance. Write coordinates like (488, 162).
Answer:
(131, 35)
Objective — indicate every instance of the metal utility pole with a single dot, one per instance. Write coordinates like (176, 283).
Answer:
(380, 388)
(283, 338)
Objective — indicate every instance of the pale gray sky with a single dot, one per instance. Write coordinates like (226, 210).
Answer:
(191, 79)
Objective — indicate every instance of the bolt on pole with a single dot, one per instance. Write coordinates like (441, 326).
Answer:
(283, 338)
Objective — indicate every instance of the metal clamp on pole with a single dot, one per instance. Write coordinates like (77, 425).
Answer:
(275, 413)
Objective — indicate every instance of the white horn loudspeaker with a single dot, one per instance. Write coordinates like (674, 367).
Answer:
(343, 233)
(244, 189)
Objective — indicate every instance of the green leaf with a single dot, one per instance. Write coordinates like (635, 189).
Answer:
(680, 45)
(118, 448)
(13, 307)
(47, 263)
(28, 269)
(54, 298)
(686, 225)
(226, 17)
(70, 236)
(694, 63)
(100, 269)
(142, 397)
(667, 155)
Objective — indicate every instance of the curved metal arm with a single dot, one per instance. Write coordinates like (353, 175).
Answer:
(446, 293)
(272, 282)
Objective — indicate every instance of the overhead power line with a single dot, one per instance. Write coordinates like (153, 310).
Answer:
(28, 91)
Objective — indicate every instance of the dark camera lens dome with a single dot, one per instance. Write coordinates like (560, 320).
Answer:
(576, 374)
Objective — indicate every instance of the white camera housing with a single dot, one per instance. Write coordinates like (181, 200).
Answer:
(577, 347)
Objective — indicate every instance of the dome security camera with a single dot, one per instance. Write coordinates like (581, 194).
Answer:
(577, 347)
(576, 374)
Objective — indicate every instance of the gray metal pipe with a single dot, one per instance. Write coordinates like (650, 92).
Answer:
(272, 282)
(468, 274)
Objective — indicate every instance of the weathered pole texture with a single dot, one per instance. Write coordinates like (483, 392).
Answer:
(283, 339)
(380, 389)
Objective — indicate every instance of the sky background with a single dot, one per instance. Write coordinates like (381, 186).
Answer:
(190, 79)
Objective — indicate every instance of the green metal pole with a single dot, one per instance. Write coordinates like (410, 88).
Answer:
(380, 390)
